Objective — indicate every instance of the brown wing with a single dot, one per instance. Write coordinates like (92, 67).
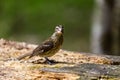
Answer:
(46, 46)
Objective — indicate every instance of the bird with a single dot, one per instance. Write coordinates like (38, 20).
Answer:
(48, 47)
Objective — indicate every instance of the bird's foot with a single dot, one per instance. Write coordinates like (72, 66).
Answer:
(47, 61)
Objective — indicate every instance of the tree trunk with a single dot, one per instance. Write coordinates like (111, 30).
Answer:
(106, 27)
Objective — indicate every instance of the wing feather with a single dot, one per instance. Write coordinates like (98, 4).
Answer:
(46, 46)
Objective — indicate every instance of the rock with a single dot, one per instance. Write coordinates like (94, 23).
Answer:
(69, 65)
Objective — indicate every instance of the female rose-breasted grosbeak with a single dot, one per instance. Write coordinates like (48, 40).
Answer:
(49, 47)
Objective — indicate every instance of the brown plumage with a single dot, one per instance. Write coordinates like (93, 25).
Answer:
(49, 47)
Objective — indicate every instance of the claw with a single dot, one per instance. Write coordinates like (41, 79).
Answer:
(49, 61)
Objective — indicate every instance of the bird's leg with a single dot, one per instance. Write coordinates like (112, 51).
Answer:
(49, 61)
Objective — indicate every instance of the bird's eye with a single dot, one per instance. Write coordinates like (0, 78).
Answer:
(57, 28)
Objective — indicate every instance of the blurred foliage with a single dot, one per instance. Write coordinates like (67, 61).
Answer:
(34, 21)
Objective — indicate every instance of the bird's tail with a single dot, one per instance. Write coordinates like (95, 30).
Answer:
(24, 55)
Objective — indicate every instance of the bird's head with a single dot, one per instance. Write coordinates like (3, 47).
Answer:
(59, 29)
(58, 32)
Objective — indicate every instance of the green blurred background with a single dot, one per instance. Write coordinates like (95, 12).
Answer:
(33, 21)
